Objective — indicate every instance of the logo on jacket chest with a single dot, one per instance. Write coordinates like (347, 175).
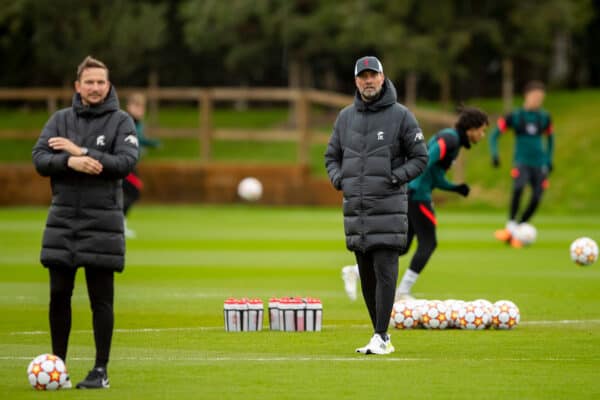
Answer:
(380, 135)
(531, 129)
(100, 141)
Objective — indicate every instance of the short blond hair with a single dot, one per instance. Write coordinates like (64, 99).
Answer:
(137, 98)
(534, 85)
(90, 62)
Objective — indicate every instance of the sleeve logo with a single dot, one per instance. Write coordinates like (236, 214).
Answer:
(132, 139)
(419, 137)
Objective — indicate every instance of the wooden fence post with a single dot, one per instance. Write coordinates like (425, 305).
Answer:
(303, 126)
(206, 110)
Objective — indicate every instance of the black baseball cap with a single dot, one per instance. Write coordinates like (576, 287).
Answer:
(368, 62)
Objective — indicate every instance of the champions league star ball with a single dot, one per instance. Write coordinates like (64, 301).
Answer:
(488, 306)
(584, 251)
(454, 307)
(47, 372)
(250, 189)
(473, 316)
(405, 315)
(506, 315)
(435, 315)
(525, 233)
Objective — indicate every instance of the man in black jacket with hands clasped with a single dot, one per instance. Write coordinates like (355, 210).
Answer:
(86, 150)
(375, 149)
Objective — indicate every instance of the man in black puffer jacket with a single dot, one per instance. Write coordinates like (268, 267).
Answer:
(376, 148)
(86, 150)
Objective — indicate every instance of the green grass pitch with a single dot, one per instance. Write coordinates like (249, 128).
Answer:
(170, 343)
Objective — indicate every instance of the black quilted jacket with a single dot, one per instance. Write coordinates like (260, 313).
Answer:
(85, 221)
(375, 149)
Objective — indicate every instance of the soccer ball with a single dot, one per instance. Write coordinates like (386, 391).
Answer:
(488, 306)
(250, 189)
(47, 372)
(473, 316)
(584, 251)
(405, 315)
(525, 233)
(506, 315)
(435, 315)
(454, 307)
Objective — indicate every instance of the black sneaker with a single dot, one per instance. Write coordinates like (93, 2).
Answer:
(97, 378)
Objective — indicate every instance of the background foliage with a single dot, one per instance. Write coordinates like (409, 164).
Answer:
(455, 49)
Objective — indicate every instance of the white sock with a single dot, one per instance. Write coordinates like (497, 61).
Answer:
(355, 268)
(511, 226)
(408, 280)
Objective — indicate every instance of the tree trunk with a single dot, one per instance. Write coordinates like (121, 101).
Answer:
(308, 80)
(507, 84)
(152, 118)
(241, 104)
(445, 89)
(294, 73)
(294, 82)
(410, 91)
(331, 81)
(559, 68)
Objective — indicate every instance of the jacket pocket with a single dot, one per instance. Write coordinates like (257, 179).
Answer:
(379, 163)
(350, 163)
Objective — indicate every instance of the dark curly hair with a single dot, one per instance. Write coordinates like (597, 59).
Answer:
(470, 117)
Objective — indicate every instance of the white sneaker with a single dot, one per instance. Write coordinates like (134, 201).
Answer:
(350, 278)
(129, 233)
(67, 384)
(377, 346)
(403, 296)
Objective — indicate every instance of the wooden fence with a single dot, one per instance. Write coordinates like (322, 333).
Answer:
(301, 99)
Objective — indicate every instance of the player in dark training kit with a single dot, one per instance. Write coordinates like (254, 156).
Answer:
(532, 160)
(443, 148)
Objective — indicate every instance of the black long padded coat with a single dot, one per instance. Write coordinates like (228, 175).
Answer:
(85, 221)
(374, 150)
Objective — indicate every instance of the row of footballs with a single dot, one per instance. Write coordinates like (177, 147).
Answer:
(437, 314)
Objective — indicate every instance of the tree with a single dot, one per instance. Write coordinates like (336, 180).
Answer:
(15, 32)
(237, 30)
(378, 27)
(119, 32)
(530, 30)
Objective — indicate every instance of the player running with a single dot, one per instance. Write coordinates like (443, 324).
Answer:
(532, 160)
(132, 184)
(443, 148)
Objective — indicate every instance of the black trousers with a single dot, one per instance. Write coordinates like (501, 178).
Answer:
(524, 175)
(422, 224)
(100, 284)
(378, 270)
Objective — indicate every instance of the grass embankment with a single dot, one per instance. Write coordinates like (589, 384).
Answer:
(575, 182)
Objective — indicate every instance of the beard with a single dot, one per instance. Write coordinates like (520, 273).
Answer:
(370, 93)
(93, 99)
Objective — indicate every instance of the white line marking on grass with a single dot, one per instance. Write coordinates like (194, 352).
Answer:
(562, 322)
(219, 328)
(237, 359)
(132, 330)
(357, 358)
